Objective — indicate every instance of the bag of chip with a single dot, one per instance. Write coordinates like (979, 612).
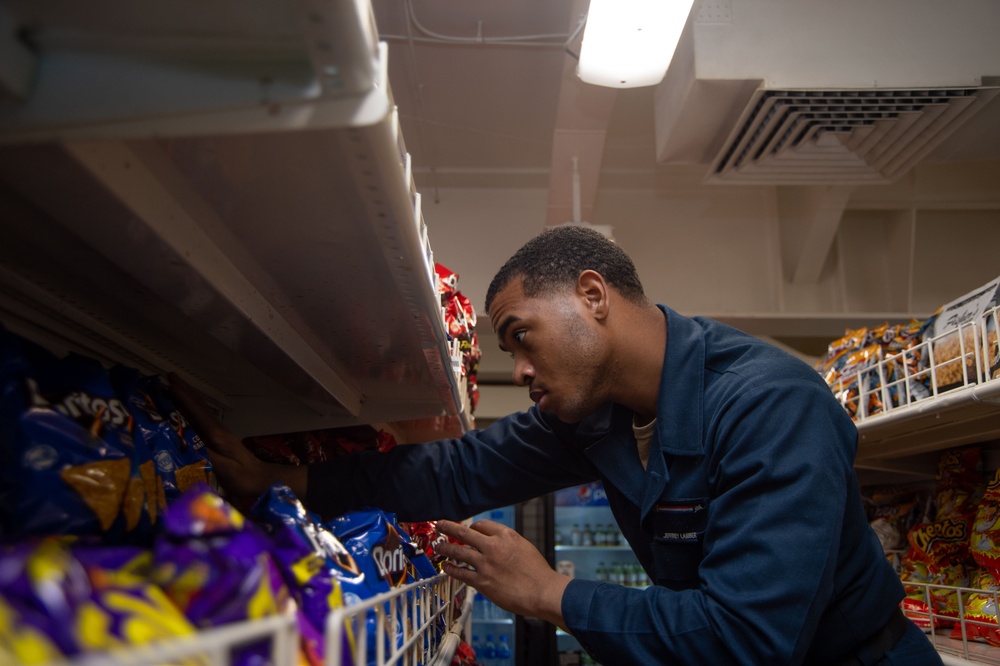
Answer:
(216, 566)
(984, 542)
(42, 591)
(387, 557)
(176, 449)
(957, 493)
(425, 537)
(127, 609)
(320, 572)
(955, 335)
(981, 611)
(374, 536)
(68, 456)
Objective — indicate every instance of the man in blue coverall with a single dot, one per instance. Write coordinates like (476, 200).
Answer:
(728, 465)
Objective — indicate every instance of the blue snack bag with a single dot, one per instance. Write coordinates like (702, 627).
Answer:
(319, 570)
(175, 449)
(68, 448)
(388, 557)
(396, 557)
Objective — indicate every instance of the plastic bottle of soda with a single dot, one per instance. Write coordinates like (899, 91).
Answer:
(587, 537)
(503, 652)
(489, 650)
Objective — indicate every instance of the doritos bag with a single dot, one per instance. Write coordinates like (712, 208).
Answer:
(68, 446)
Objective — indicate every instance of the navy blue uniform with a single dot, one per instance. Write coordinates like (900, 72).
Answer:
(748, 517)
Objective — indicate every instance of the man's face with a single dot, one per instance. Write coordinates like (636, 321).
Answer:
(559, 349)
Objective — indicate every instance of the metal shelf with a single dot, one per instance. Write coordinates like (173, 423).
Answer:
(951, 635)
(274, 254)
(427, 612)
(909, 423)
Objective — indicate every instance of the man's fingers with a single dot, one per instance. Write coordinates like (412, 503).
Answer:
(475, 535)
(463, 555)
(488, 527)
(463, 533)
(460, 573)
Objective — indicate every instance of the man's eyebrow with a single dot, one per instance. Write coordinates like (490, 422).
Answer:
(502, 329)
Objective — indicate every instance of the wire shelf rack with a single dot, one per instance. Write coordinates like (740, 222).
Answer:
(963, 357)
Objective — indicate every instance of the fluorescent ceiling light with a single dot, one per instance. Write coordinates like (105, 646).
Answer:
(629, 43)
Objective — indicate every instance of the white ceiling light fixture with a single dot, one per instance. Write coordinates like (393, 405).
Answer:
(629, 43)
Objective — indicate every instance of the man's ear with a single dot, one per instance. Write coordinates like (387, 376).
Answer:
(591, 287)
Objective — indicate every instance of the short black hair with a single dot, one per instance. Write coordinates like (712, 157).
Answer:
(556, 257)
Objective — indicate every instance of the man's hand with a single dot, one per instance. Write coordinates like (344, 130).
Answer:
(505, 568)
(239, 471)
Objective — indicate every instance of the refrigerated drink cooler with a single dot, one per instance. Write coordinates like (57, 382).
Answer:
(587, 544)
(494, 630)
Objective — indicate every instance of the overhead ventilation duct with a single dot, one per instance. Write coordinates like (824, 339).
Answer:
(840, 136)
(787, 92)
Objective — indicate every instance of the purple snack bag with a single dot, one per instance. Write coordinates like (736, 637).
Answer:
(319, 570)
(127, 609)
(45, 587)
(216, 567)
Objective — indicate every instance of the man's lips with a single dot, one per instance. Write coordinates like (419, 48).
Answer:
(536, 396)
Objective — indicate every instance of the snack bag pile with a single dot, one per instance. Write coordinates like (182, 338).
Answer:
(942, 544)
(865, 360)
(307, 447)
(460, 322)
(892, 363)
(116, 537)
(88, 451)
(61, 599)
(984, 547)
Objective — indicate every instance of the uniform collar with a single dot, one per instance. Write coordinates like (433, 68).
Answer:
(680, 406)
(678, 419)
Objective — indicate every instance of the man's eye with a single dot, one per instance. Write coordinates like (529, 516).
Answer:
(519, 337)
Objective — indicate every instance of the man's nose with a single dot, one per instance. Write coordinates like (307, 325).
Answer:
(523, 373)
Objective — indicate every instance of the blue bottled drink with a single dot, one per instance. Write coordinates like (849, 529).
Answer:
(503, 652)
(489, 651)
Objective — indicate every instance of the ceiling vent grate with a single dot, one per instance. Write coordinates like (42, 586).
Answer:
(840, 136)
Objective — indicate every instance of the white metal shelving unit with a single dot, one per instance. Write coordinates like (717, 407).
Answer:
(429, 616)
(222, 190)
(225, 192)
(913, 422)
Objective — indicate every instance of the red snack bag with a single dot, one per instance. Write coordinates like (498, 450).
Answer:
(981, 611)
(984, 540)
(959, 486)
